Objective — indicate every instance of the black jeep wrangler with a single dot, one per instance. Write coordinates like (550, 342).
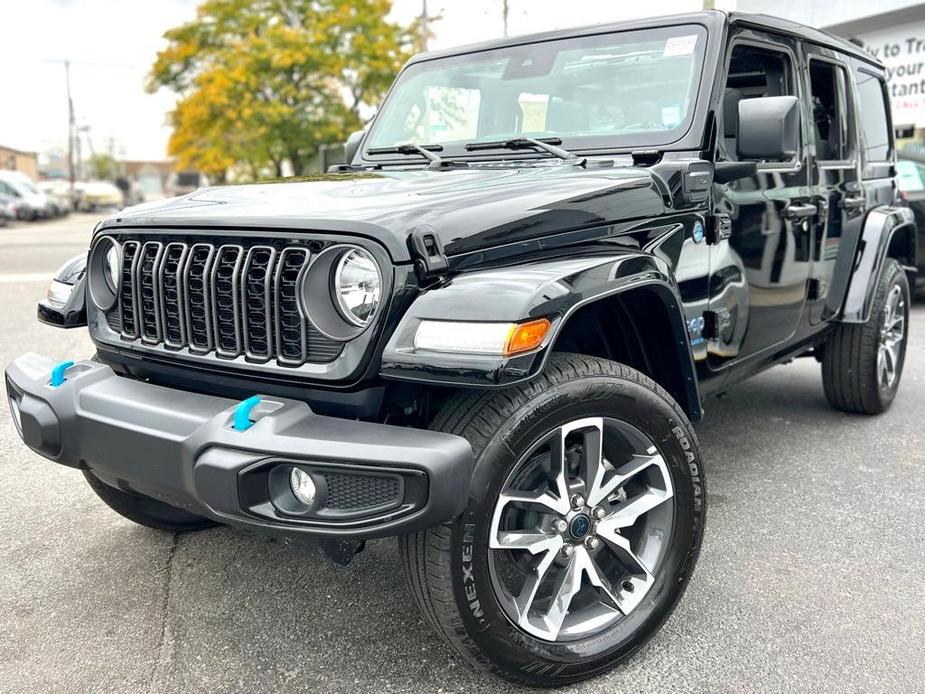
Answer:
(489, 331)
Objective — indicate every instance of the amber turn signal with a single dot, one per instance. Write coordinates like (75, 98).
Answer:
(526, 336)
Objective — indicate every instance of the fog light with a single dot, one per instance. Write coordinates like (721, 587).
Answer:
(302, 486)
(17, 415)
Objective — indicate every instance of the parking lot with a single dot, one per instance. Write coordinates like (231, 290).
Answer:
(812, 574)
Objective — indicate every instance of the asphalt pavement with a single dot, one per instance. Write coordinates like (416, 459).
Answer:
(812, 575)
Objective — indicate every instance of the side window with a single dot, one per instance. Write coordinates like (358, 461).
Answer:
(827, 100)
(874, 121)
(753, 72)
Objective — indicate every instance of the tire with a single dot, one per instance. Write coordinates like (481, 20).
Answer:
(851, 370)
(454, 575)
(147, 511)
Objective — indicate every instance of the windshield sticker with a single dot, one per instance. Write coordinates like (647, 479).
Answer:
(671, 116)
(680, 45)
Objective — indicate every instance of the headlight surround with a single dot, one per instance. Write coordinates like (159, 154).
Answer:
(341, 292)
(104, 272)
(357, 286)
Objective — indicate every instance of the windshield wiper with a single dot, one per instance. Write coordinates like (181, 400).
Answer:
(426, 151)
(547, 144)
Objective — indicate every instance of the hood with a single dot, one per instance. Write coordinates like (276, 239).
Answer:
(469, 209)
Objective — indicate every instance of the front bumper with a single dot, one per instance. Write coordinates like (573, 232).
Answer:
(182, 448)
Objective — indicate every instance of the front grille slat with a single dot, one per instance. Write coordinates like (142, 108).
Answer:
(173, 311)
(127, 297)
(257, 302)
(147, 290)
(228, 300)
(291, 346)
(226, 304)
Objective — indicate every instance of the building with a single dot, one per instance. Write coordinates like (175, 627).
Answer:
(17, 160)
(152, 177)
(891, 30)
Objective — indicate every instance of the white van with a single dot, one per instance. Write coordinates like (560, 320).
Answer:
(32, 202)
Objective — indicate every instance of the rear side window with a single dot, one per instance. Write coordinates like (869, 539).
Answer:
(875, 124)
(830, 124)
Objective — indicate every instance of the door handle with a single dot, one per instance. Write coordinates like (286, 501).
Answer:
(854, 203)
(800, 211)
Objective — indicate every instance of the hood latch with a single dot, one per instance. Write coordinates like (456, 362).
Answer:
(427, 252)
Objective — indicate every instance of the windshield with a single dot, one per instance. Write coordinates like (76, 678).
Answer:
(632, 88)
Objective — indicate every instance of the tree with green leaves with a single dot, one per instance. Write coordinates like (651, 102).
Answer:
(262, 82)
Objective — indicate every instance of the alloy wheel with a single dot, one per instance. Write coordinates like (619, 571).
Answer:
(892, 334)
(580, 529)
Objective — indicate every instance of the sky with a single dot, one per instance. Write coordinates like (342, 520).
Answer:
(111, 45)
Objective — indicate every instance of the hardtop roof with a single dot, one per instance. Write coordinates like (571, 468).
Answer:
(712, 19)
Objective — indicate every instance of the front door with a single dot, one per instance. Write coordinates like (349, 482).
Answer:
(759, 274)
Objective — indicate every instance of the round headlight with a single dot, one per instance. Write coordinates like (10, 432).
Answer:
(111, 267)
(357, 286)
(104, 272)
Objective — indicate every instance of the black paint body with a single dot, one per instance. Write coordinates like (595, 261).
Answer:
(539, 237)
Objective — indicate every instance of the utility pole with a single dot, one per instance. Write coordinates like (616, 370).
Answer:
(504, 14)
(71, 125)
(425, 26)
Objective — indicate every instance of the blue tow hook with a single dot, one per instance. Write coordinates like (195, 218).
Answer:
(242, 413)
(57, 373)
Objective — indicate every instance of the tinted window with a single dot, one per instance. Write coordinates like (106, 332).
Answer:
(874, 122)
(753, 73)
(828, 110)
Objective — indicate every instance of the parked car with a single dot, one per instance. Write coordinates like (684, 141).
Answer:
(910, 176)
(8, 209)
(98, 195)
(31, 203)
(490, 332)
(59, 195)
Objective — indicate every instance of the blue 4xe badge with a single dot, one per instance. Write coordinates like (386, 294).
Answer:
(697, 234)
(695, 329)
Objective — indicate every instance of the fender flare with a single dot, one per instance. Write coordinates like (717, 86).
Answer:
(552, 288)
(880, 227)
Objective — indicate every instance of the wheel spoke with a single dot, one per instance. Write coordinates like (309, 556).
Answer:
(567, 585)
(883, 373)
(638, 579)
(622, 475)
(599, 580)
(532, 542)
(592, 456)
(524, 600)
(627, 513)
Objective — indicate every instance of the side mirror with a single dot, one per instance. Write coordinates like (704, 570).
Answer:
(352, 145)
(769, 128)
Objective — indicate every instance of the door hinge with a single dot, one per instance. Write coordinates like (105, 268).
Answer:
(719, 228)
(427, 253)
(818, 289)
(714, 322)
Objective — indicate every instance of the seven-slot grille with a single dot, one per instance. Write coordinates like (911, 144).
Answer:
(224, 299)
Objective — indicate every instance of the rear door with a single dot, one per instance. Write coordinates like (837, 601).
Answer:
(835, 178)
